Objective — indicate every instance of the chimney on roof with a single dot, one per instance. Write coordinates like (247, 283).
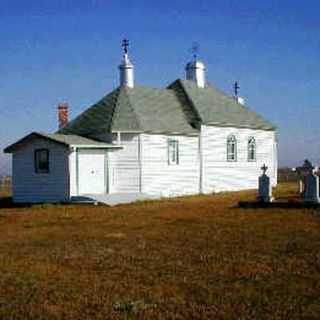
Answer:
(63, 115)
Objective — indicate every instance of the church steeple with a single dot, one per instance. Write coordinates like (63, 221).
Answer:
(126, 67)
(196, 70)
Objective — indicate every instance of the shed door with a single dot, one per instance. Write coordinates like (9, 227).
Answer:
(91, 172)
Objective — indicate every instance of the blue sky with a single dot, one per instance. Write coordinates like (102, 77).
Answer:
(53, 51)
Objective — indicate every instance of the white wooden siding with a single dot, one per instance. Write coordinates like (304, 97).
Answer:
(124, 165)
(73, 173)
(160, 178)
(29, 186)
(222, 175)
(142, 165)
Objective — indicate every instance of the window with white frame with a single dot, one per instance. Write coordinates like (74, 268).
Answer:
(231, 148)
(173, 151)
(251, 149)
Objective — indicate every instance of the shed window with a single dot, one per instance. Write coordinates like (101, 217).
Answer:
(41, 161)
(251, 149)
(231, 148)
(173, 151)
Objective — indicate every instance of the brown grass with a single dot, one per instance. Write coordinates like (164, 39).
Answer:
(187, 258)
(5, 190)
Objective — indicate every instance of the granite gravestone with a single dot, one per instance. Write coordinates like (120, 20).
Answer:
(311, 184)
(265, 188)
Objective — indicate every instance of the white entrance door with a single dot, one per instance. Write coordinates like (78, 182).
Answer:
(91, 171)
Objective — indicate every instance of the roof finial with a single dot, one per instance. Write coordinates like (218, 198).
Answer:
(236, 88)
(195, 69)
(126, 67)
(195, 50)
(125, 45)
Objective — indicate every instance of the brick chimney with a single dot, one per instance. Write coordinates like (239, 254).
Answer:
(63, 115)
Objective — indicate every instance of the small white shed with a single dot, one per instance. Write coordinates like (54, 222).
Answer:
(56, 167)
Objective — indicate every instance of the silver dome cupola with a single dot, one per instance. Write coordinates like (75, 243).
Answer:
(126, 68)
(196, 70)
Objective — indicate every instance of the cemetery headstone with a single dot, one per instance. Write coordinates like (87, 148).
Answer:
(265, 188)
(311, 183)
(302, 172)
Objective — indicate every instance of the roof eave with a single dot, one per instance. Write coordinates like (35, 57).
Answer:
(92, 146)
(195, 132)
(13, 146)
(191, 133)
(219, 124)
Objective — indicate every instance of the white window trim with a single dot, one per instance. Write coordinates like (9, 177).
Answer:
(175, 143)
(231, 140)
(252, 142)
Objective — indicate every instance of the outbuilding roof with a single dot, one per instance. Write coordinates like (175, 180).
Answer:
(68, 140)
(180, 108)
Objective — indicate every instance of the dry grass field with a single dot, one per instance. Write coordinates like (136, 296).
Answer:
(187, 258)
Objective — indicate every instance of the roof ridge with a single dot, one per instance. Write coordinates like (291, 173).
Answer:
(189, 101)
(115, 105)
(123, 94)
(126, 91)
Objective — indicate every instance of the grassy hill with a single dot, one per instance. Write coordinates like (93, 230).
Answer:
(187, 258)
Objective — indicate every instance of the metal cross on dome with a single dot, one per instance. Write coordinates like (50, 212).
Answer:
(195, 50)
(236, 88)
(125, 45)
(264, 168)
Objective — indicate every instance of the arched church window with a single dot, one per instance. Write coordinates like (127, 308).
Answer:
(251, 149)
(231, 148)
(173, 151)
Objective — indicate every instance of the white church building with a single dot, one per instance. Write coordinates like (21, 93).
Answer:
(188, 138)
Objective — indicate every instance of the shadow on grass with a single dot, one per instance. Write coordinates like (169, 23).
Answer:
(278, 204)
(7, 203)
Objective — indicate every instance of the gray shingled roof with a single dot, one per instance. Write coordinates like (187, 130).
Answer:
(137, 109)
(213, 106)
(68, 140)
(180, 108)
(75, 140)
